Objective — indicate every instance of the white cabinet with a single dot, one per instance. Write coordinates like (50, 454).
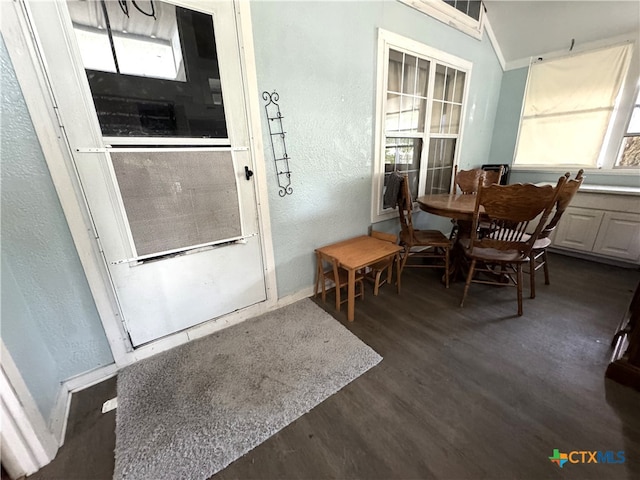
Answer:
(602, 224)
(619, 236)
(578, 229)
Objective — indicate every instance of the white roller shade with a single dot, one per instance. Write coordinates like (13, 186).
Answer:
(568, 106)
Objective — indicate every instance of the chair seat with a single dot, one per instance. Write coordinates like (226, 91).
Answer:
(492, 254)
(433, 238)
(541, 243)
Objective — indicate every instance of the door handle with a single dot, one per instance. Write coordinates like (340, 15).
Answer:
(247, 173)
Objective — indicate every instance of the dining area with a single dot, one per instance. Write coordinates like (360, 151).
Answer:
(499, 232)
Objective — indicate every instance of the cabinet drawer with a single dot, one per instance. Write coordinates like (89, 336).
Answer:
(619, 236)
(578, 229)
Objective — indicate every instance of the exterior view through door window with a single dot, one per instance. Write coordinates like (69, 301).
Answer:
(152, 72)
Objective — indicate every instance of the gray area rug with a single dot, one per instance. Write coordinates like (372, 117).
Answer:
(189, 412)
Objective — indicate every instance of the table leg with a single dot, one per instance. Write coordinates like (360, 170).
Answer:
(398, 270)
(351, 294)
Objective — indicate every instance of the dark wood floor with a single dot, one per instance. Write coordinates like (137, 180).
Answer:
(462, 393)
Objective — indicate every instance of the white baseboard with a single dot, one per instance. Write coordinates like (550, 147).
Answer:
(295, 297)
(594, 258)
(60, 413)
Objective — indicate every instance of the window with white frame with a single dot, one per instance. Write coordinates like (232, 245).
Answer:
(569, 109)
(630, 151)
(470, 8)
(466, 16)
(421, 96)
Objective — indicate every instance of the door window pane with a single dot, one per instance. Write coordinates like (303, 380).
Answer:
(152, 68)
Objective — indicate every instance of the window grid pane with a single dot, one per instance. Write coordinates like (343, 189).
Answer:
(630, 152)
(440, 165)
(634, 123)
(406, 111)
(470, 8)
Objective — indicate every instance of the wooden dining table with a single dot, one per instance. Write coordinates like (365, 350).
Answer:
(357, 253)
(455, 206)
(460, 208)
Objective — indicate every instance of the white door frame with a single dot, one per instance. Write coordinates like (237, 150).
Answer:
(26, 444)
(23, 46)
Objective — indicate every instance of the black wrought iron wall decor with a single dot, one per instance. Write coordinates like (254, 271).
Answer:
(278, 145)
(125, 8)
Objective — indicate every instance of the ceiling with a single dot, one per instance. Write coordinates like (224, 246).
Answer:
(531, 28)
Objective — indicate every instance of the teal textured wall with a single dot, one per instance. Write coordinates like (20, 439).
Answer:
(50, 324)
(505, 131)
(321, 59)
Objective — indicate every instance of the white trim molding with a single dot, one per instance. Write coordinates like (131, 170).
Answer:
(26, 443)
(60, 413)
(494, 43)
(579, 48)
(449, 15)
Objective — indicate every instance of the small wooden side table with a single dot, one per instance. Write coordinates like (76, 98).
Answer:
(356, 253)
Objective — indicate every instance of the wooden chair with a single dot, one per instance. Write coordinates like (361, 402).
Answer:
(538, 256)
(329, 271)
(433, 244)
(492, 177)
(505, 247)
(467, 180)
(374, 272)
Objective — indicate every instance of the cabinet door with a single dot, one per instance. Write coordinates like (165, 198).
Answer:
(578, 229)
(619, 236)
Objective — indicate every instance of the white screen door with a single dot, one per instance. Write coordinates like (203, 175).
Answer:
(150, 95)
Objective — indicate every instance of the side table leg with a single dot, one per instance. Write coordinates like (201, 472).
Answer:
(351, 293)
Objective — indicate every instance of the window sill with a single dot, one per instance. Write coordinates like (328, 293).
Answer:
(571, 168)
(610, 189)
(604, 189)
